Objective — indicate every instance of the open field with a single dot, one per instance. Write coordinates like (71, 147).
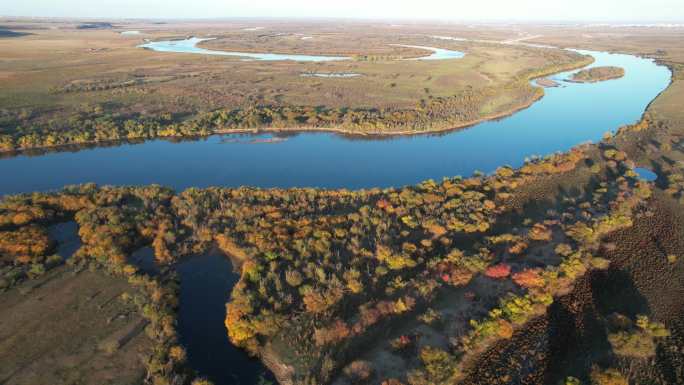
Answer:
(71, 327)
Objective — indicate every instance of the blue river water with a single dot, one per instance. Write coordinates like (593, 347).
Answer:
(564, 117)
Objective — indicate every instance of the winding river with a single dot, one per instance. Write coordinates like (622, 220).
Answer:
(567, 115)
(190, 46)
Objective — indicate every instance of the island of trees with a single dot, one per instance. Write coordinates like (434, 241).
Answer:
(598, 74)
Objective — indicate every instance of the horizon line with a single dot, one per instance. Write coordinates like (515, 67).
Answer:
(370, 18)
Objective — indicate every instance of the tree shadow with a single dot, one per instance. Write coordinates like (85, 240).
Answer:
(577, 329)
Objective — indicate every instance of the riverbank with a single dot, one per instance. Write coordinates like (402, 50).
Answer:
(431, 127)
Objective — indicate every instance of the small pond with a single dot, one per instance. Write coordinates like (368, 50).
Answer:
(206, 283)
(67, 238)
(646, 174)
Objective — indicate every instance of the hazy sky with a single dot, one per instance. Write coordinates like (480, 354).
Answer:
(567, 10)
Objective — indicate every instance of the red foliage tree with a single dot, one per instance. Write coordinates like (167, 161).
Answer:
(529, 278)
(501, 270)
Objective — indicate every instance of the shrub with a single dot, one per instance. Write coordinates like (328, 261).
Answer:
(201, 381)
(600, 263)
(335, 333)
(402, 342)
(293, 278)
(505, 329)
(37, 269)
(499, 271)
(529, 278)
(517, 248)
(607, 377)
(429, 316)
(358, 371)
(539, 232)
(439, 368)
(639, 342)
(177, 354)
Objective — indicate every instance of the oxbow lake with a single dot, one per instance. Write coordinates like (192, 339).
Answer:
(190, 46)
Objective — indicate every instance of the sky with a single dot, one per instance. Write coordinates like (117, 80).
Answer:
(485, 10)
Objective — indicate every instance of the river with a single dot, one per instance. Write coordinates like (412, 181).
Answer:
(566, 116)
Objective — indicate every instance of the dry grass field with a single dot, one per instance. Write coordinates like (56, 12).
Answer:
(71, 328)
(58, 69)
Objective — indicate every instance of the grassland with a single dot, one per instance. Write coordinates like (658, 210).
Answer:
(71, 327)
(97, 79)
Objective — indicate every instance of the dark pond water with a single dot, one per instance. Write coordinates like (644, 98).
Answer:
(206, 282)
(144, 260)
(66, 236)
